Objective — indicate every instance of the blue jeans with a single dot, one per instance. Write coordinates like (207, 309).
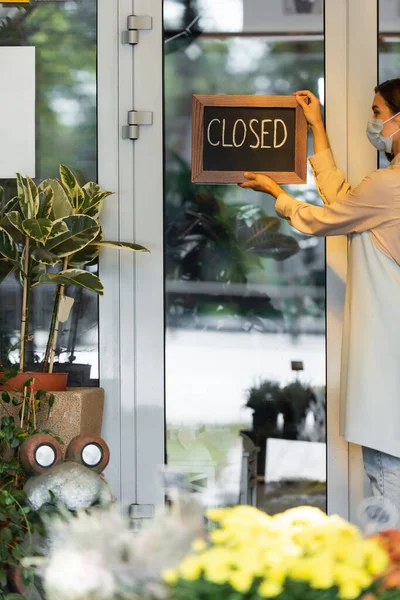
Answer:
(383, 471)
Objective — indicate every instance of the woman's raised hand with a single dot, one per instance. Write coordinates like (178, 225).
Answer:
(261, 183)
(310, 105)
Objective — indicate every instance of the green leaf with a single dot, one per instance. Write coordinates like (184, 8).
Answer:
(37, 229)
(122, 246)
(28, 382)
(38, 269)
(274, 245)
(14, 218)
(29, 197)
(92, 251)
(85, 256)
(61, 205)
(43, 256)
(8, 206)
(73, 188)
(8, 249)
(5, 396)
(6, 268)
(58, 228)
(20, 185)
(92, 204)
(91, 188)
(68, 178)
(46, 199)
(25, 204)
(33, 195)
(261, 229)
(76, 277)
(5, 535)
(81, 231)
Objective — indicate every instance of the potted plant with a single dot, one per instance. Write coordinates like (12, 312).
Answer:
(263, 400)
(295, 400)
(48, 233)
(267, 400)
(235, 553)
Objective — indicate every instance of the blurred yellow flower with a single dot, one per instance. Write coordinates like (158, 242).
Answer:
(199, 545)
(190, 568)
(349, 590)
(241, 581)
(270, 589)
(170, 576)
(302, 544)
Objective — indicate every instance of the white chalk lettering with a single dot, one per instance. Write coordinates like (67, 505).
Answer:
(257, 145)
(234, 133)
(276, 130)
(208, 132)
(264, 132)
(254, 133)
(223, 135)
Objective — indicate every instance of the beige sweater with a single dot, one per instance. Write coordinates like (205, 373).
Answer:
(372, 206)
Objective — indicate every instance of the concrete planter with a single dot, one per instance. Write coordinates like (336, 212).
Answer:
(77, 411)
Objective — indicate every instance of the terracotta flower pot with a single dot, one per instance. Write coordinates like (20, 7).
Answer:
(49, 382)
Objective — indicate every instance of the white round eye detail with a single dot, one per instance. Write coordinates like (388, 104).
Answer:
(45, 456)
(92, 455)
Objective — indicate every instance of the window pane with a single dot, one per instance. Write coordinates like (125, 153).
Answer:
(238, 322)
(64, 34)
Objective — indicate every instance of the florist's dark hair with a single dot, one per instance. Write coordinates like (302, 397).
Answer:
(390, 92)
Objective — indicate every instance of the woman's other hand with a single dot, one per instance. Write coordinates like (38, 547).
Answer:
(310, 105)
(261, 183)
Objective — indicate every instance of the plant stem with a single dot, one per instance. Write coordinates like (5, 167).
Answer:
(54, 317)
(52, 328)
(23, 409)
(24, 306)
(33, 400)
(55, 334)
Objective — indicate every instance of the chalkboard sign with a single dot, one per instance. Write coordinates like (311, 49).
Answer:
(233, 134)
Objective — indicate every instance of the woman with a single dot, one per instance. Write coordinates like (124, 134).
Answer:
(370, 215)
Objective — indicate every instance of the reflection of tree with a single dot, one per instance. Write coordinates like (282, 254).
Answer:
(64, 34)
(234, 65)
(211, 241)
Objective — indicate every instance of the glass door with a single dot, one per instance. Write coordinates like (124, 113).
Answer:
(245, 323)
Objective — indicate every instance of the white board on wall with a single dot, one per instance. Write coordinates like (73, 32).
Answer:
(17, 111)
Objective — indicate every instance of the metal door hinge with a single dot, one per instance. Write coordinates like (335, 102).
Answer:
(134, 24)
(138, 513)
(136, 118)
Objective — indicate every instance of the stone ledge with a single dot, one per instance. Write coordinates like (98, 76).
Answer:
(77, 411)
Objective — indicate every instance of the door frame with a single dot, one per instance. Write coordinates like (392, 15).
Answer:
(131, 327)
(132, 341)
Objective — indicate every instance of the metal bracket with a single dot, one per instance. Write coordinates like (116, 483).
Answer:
(140, 512)
(136, 118)
(134, 24)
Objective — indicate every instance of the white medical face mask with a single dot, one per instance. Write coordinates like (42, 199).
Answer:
(379, 141)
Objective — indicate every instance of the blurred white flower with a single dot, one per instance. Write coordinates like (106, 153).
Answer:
(72, 576)
(97, 556)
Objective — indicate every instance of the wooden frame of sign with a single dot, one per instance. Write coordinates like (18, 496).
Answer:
(201, 173)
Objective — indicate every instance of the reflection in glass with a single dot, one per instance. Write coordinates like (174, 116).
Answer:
(245, 294)
(64, 34)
